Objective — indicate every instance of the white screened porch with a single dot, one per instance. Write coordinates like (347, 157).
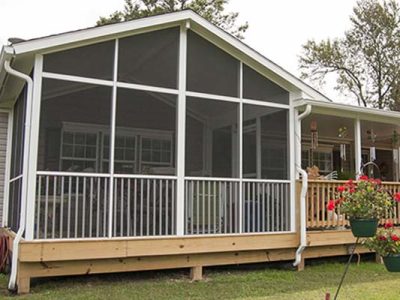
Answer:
(183, 139)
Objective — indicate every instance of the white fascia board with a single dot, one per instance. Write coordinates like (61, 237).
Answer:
(351, 111)
(98, 32)
(115, 29)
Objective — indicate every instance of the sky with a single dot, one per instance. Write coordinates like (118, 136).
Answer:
(278, 28)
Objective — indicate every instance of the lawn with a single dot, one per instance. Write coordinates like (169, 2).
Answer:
(365, 281)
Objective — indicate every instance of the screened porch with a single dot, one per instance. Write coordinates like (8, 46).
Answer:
(158, 134)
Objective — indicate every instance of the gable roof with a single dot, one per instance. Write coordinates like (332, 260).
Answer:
(94, 34)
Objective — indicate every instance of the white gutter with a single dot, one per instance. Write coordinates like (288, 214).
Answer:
(304, 187)
(24, 195)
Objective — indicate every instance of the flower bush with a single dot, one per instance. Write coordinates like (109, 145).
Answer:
(386, 241)
(364, 199)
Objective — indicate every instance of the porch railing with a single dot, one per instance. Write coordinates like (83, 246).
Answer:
(321, 191)
(79, 205)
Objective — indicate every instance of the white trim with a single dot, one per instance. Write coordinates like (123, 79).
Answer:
(212, 96)
(149, 88)
(266, 180)
(6, 194)
(72, 174)
(33, 147)
(292, 162)
(15, 178)
(194, 178)
(265, 103)
(165, 20)
(240, 134)
(357, 146)
(74, 78)
(181, 129)
(112, 143)
(141, 176)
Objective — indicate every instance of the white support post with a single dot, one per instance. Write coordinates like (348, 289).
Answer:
(258, 143)
(181, 129)
(357, 146)
(6, 194)
(294, 158)
(33, 147)
(240, 134)
(112, 143)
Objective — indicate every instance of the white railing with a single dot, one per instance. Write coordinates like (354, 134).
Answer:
(266, 206)
(71, 206)
(211, 206)
(144, 206)
(76, 205)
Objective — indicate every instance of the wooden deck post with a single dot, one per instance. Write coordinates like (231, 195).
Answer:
(301, 265)
(378, 259)
(23, 285)
(196, 273)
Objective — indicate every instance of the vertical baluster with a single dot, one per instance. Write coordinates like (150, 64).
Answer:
(122, 204)
(237, 208)
(209, 208)
(114, 221)
(39, 201)
(187, 203)
(46, 208)
(269, 199)
(154, 207)
(76, 206)
(97, 199)
(166, 206)
(197, 207)
(90, 203)
(190, 198)
(69, 206)
(258, 207)
(223, 206)
(288, 223)
(62, 207)
(273, 202)
(161, 207)
(53, 223)
(247, 205)
(215, 195)
(135, 208)
(105, 196)
(204, 208)
(230, 206)
(141, 206)
(148, 208)
(263, 208)
(83, 206)
(128, 210)
(173, 196)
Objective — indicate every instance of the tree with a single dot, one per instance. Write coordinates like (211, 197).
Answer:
(212, 10)
(366, 60)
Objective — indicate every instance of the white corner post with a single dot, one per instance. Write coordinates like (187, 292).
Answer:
(240, 134)
(112, 142)
(181, 129)
(7, 172)
(33, 147)
(293, 162)
(357, 146)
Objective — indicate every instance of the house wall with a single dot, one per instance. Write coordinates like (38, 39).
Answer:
(3, 149)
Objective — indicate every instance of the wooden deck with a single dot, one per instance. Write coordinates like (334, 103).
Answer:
(45, 258)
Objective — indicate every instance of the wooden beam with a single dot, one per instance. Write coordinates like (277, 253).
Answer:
(62, 250)
(329, 237)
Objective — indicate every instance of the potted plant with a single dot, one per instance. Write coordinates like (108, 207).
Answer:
(386, 243)
(364, 202)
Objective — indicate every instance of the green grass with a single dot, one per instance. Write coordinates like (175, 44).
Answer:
(366, 281)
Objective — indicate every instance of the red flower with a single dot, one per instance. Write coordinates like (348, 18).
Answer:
(331, 205)
(338, 201)
(378, 181)
(395, 238)
(341, 188)
(381, 238)
(364, 177)
(352, 190)
(350, 182)
(397, 196)
(388, 224)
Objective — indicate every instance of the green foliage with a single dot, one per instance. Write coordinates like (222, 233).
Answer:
(385, 242)
(212, 10)
(363, 199)
(365, 60)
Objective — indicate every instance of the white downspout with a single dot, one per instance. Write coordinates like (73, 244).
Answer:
(22, 222)
(304, 187)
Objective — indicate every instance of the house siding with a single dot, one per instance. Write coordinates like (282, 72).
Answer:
(3, 150)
